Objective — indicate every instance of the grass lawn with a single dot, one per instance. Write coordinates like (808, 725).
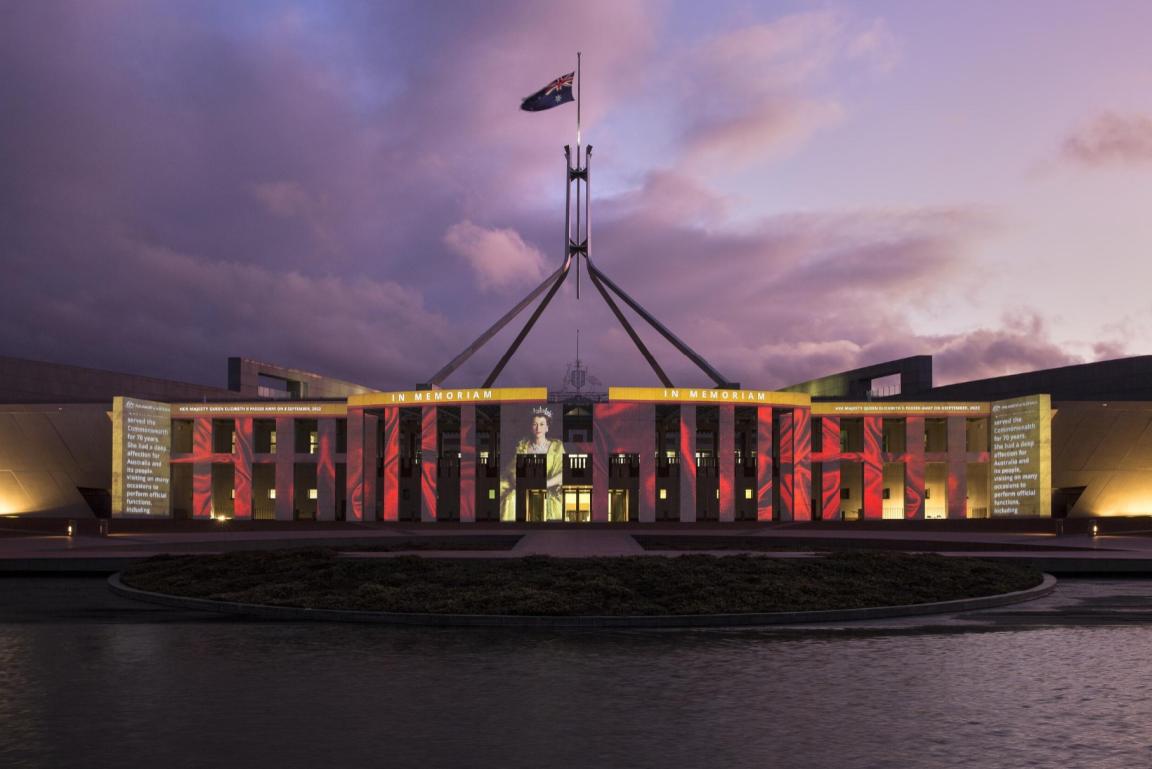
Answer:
(639, 585)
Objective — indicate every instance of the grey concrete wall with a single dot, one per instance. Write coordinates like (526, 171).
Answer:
(47, 451)
(30, 381)
(244, 378)
(1108, 450)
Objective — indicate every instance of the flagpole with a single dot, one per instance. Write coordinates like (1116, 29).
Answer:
(578, 78)
(579, 82)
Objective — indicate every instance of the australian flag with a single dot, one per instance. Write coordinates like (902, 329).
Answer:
(552, 95)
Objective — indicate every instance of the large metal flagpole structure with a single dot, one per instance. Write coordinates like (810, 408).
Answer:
(577, 246)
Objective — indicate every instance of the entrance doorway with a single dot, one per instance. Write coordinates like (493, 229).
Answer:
(577, 504)
(618, 505)
(534, 501)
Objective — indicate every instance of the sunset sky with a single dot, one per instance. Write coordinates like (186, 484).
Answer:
(795, 188)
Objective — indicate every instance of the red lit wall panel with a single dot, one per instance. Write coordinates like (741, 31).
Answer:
(623, 428)
(372, 479)
(429, 459)
(467, 464)
(355, 465)
(787, 453)
(829, 457)
(202, 439)
(830, 438)
(242, 465)
(802, 467)
(830, 490)
(326, 470)
(726, 452)
(688, 463)
(763, 463)
(873, 467)
(388, 427)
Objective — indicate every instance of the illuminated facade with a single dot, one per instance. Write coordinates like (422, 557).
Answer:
(641, 455)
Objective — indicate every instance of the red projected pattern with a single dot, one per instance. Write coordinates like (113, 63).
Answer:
(390, 475)
(787, 457)
(802, 491)
(763, 463)
(355, 474)
(242, 465)
(467, 464)
(202, 468)
(429, 460)
(873, 468)
(830, 446)
(913, 460)
(688, 463)
(624, 428)
(726, 439)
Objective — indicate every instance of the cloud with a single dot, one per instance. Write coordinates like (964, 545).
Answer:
(1110, 139)
(750, 91)
(1022, 343)
(499, 257)
(189, 181)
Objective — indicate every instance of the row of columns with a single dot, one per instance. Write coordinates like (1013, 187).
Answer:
(244, 457)
(617, 428)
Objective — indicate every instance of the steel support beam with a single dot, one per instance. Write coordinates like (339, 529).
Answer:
(531, 322)
(687, 351)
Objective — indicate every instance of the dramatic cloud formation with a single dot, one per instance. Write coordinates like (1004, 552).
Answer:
(747, 91)
(500, 258)
(350, 188)
(1111, 139)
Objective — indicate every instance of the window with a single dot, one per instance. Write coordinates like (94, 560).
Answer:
(663, 493)
(747, 493)
(491, 493)
(312, 494)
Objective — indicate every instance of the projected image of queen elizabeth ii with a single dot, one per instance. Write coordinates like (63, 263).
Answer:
(537, 442)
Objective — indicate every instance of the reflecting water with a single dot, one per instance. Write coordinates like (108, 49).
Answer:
(112, 686)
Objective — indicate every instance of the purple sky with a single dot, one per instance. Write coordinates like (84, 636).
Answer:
(794, 188)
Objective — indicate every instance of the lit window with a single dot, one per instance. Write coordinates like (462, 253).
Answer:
(663, 493)
(747, 493)
(717, 493)
(491, 493)
(271, 493)
(232, 494)
(312, 494)
(313, 442)
(272, 442)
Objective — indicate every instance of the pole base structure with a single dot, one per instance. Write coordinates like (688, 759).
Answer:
(577, 246)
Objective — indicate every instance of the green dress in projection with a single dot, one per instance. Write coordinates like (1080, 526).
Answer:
(554, 467)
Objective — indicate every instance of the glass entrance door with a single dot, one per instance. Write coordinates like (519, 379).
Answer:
(535, 502)
(618, 505)
(577, 504)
